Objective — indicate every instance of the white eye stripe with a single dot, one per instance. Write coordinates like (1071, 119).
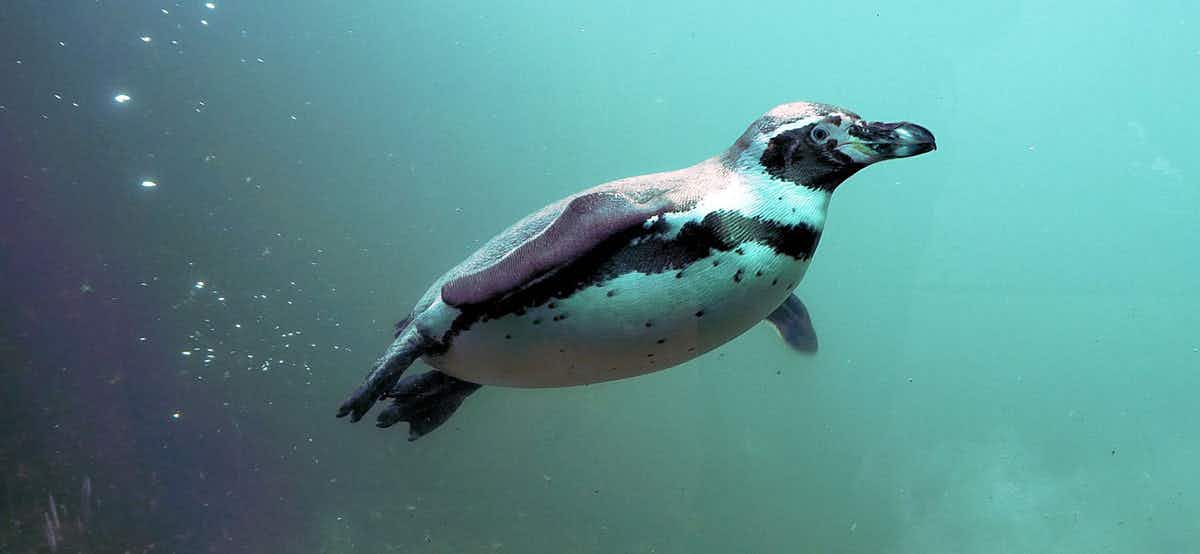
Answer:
(791, 126)
(846, 122)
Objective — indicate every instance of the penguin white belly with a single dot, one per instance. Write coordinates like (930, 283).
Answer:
(630, 325)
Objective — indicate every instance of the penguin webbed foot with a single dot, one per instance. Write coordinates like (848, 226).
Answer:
(362, 399)
(425, 401)
(387, 372)
(795, 326)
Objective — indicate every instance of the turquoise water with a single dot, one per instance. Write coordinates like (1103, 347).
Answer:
(1009, 349)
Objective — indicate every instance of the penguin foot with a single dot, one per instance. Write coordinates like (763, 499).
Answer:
(361, 400)
(794, 325)
(425, 401)
(402, 353)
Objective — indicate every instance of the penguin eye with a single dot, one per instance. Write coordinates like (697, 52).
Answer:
(819, 134)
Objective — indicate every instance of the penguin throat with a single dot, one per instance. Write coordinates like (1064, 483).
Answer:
(822, 178)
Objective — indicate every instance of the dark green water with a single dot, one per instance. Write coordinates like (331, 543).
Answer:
(1010, 351)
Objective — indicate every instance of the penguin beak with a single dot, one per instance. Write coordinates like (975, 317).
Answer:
(877, 141)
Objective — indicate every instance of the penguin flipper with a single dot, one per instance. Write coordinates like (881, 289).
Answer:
(584, 222)
(425, 401)
(794, 325)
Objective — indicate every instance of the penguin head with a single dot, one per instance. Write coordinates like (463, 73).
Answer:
(820, 146)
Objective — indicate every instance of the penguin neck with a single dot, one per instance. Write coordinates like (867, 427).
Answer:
(785, 201)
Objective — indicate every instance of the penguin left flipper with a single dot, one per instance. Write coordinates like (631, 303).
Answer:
(582, 224)
(794, 325)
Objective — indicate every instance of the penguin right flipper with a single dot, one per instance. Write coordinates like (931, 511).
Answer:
(425, 401)
(794, 325)
(582, 224)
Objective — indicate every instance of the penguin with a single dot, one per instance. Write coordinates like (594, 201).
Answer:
(635, 275)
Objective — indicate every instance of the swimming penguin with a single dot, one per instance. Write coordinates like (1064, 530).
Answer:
(635, 275)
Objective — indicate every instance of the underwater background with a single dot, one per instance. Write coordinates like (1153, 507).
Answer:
(211, 216)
